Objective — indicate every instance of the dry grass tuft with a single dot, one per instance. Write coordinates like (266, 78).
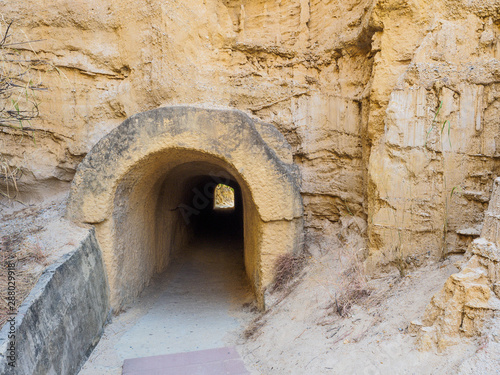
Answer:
(286, 268)
(8, 179)
(352, 289)
(253, 328)
(347, 283)
(349, 297)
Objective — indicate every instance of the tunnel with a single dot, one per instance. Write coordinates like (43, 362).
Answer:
(213, 206)
(187, 209)
(169, 177)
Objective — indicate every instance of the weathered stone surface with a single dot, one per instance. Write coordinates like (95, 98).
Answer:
(63, 316)
(294, 64)
(390, 107)
(469, 298)
(433, 125)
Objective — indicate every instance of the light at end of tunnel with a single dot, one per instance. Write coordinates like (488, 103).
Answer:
(223, 197)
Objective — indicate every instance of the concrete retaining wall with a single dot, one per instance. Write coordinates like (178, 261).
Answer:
(62, 318)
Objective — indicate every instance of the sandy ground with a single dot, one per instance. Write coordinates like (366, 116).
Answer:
(42, 227)
(299, 334)
(302, 335)
(203, 301)
(197, 304)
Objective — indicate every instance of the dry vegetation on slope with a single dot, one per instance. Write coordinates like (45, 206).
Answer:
(305, 331)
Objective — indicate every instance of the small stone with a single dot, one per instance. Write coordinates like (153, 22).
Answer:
(414, 327)
(496, 289)
(487, 37)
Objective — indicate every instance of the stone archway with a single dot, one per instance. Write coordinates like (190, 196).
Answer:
(131, 184)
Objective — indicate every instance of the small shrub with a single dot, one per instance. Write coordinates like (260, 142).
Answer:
(348, 298)
(253, 328)
(286, 268)
(352, 288)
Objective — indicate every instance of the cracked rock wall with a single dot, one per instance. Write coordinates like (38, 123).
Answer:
(434, 127)
(301, 65)
(469, 298)
(391, 106)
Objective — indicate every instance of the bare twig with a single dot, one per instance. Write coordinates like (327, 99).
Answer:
(20, 105)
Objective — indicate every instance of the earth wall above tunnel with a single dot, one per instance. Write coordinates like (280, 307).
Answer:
(359, 89)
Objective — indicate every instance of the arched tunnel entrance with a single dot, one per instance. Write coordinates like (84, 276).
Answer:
(149, 186)
(189, 210)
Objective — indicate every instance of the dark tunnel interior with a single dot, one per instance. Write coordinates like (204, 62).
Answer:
(209, 223)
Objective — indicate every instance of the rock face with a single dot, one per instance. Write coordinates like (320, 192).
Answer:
(293, 64)
(431, 169)
(472, 296)
(391, 106)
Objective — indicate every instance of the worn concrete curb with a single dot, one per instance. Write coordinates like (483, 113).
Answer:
(63, 317)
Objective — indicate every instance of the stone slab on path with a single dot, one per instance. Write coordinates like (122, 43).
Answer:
(220, 361)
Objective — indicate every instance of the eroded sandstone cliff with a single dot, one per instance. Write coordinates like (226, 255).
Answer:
(391, 106)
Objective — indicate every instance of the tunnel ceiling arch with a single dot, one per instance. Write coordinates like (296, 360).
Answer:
(255, 153)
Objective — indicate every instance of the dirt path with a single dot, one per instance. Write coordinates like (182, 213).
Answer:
(196, 305)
